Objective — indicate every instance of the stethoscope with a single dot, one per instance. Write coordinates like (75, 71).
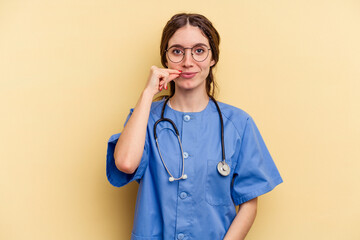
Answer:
(222, 167)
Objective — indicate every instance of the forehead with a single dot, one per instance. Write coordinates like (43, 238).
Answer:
(188, 36)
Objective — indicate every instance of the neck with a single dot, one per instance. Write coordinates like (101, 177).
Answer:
(189, 101)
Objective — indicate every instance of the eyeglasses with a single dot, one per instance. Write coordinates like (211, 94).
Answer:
(177, 53)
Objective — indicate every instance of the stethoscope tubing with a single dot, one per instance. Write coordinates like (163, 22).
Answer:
(157, 145)
(222, 129)
(221, 168)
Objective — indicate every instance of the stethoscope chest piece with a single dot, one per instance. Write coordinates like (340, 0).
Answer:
(223, 168)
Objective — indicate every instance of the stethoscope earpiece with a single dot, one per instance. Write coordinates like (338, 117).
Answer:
(184, 176)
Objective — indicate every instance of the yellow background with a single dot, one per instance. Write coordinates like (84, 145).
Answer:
(71, 70)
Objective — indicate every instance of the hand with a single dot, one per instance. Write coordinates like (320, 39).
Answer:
(160, 77)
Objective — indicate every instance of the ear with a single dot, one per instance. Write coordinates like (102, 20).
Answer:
(212, 63)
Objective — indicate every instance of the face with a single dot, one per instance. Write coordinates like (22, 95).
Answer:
(193, 73)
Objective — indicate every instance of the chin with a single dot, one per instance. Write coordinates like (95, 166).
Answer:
(187, 84)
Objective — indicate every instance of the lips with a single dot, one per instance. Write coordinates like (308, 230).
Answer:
(188, 74)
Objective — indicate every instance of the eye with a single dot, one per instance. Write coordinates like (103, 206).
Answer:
(199, 50)
(177, 51)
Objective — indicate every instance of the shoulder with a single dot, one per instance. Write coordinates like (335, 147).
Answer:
(235, 116)
(232, 112)
(157, 104)
(155, 109)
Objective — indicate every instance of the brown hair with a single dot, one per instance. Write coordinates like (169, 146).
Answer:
(196, 20)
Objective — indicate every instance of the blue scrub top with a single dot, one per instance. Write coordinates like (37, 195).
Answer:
(203, 205)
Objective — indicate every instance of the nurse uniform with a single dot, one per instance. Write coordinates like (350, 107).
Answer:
(203, 205)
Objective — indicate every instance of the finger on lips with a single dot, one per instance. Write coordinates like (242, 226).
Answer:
(173, 71)
(167, 76)
(172, 77)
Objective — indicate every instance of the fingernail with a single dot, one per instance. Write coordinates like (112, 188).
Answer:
(160, 88)
(179, 70)
(165, 87)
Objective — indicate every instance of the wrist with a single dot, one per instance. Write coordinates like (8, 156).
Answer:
(147, 94)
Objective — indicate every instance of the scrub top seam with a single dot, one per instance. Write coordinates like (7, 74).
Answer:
(237, 130)
(241, 136)
(153, 111)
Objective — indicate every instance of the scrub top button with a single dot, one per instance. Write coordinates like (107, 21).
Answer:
(183, 195)
(186, 118)
(180, 236)
(186, 155)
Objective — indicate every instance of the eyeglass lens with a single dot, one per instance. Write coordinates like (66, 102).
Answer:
(199, 53)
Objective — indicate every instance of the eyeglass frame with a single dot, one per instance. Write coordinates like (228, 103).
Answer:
(192, 55)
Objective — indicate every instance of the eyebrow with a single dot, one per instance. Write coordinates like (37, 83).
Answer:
(179, 45)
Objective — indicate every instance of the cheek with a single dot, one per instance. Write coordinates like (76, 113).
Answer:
(205, 66)
(172, 65)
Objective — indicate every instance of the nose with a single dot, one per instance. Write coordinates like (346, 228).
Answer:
(188, 59)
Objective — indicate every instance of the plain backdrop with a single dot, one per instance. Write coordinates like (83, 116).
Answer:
(70, 71)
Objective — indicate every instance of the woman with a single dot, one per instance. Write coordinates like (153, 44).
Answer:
(189, 186)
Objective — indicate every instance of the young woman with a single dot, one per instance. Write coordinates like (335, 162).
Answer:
(195, 159)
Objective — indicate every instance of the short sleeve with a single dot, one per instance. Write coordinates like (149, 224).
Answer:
(114, 175)
(255, 173)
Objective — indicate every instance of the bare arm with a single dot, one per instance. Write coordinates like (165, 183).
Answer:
(243, 221)
(130, 146)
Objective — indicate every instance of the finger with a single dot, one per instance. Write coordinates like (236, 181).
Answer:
(172, 77)
(166, 75)
(162, 75)
(168, 78)
(173, 70)
(162, 82)
(168, 70)
(165, 83)
(162, 85)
